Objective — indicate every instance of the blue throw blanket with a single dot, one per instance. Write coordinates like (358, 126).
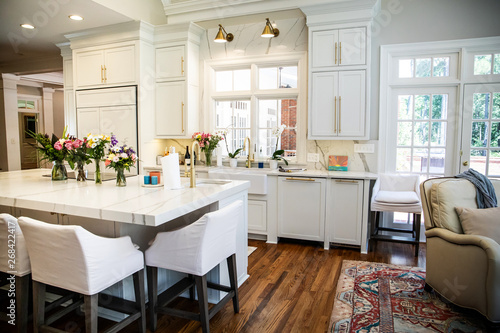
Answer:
(486, 197)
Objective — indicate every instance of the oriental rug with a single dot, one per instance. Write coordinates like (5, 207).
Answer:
(376, 297)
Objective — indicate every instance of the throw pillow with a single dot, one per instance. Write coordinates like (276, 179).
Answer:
(482, 222)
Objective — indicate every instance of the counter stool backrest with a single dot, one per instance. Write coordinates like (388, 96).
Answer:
(11, 234)
(200, 246)
(73, 258)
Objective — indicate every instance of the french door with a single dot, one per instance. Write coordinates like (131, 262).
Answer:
(481, 129)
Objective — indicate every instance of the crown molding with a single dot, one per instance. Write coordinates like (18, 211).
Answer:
(203, 10)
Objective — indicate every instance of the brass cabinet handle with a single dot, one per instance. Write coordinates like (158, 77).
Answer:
(346, 181)
(340, 114)
(340, 53)
(182, 65)
(102, 74)
(301, 179)
(335, 115)
(182, 116)
(335, 53)
(105, 74)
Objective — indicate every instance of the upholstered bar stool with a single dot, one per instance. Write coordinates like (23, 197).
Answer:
(14, 261)
(397, 193)
(195, 250)
(72, 258)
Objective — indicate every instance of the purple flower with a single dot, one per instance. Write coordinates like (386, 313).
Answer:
(114, 141)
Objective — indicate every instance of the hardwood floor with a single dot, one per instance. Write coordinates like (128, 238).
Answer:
(291, 288)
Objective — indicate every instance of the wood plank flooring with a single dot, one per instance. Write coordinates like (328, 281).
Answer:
(291, 289)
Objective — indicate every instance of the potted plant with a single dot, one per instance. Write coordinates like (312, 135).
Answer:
(233, 161)
(278, 154)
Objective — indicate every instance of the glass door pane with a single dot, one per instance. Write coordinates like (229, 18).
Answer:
(481, 129)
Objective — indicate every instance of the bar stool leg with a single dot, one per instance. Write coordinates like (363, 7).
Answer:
(153, 296)
(90, 305)
(38, 305)
(140, 298)
(201, 286)
(191, 290)
(233, 279)
(416, 224)
(22, 299)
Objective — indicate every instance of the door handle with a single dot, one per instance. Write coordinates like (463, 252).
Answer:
(340, 114)
(301, 179)
(182, 116)
(346, 181)
(105, 74)
(340, 53)
(466, 163)
(335, 116)
(335, 53)
(102, 74)
(182, 65)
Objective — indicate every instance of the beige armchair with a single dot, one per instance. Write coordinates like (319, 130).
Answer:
(465, 269)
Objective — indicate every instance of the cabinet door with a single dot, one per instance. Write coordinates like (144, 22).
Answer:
(323, 111)
(352, 46)
(120, 65)
(257, 217)
(325, 48)
(89, 68)
(351, 104)
(87, 121)
(169, 108)
(301, 208)
(345, 210)
(170, 62)
(122, 122)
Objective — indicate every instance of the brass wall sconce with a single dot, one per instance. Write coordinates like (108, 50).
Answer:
(269, 30)
(223, 36)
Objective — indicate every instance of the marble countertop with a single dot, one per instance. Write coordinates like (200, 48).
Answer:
(269, 172)
(131, 204)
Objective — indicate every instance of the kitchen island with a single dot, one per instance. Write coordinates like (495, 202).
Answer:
(134, 210)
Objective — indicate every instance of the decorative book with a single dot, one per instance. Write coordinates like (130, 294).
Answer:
(337, 163)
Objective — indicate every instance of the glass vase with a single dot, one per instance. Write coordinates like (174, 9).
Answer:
(59, 171)
(80, 172)
(97, 174)
(120, 177)
(208, 157)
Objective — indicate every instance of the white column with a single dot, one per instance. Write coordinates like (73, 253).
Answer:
(10, 152)
(48, 111)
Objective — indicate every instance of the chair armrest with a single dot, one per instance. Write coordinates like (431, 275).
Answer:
(491, 247)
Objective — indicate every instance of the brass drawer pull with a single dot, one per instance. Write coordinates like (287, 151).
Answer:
(301, 179)
(345, 181)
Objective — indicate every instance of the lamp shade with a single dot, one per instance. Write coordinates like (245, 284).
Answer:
(220, 37)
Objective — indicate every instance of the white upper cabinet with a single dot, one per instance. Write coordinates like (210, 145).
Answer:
(338, 47)
(104, 67)
(170, 104)
(170, 62)
(337, 105)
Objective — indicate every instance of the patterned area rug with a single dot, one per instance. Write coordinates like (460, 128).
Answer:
(375, 297)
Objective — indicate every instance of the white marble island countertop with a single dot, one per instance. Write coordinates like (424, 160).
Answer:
(134, 203)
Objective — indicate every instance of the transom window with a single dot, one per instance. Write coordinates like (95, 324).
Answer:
(424, 67)
(252, 100)
(486, 64)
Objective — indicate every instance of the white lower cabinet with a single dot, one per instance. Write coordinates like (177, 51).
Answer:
(301, 208)
(257, 217)
(344, 211)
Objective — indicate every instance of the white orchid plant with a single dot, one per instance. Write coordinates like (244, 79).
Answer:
(278, 154)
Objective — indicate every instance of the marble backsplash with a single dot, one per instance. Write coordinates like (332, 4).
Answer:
(356, 161)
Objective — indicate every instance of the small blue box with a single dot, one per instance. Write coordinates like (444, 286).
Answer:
(261, 165)
(147, 180)
(154, 180)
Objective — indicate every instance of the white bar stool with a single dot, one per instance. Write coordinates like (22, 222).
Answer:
(71, 258)
(14, 260)
(397, 193)
(195, 250)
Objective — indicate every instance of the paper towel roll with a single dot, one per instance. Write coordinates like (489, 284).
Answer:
(171, 172)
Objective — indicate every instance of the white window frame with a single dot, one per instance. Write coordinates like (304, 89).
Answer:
(254, 94)
(464, 49)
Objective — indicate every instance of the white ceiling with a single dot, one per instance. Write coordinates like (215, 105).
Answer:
(50, 17)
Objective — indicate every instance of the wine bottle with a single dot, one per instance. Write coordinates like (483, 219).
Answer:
(187, 157)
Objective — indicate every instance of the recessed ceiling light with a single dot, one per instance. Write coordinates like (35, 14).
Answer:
(27, 26)
(76, 17)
